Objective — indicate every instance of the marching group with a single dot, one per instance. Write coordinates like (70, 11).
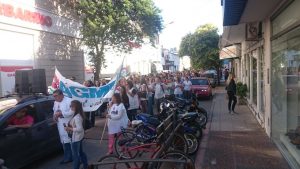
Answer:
(132, 95)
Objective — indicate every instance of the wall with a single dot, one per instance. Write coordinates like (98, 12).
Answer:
(38, 44)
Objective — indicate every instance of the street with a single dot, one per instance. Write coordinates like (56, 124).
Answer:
(92, 146)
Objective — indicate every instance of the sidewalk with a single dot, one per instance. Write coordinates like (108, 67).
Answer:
(236, 141)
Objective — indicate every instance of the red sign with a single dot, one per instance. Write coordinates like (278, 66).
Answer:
(25, 15)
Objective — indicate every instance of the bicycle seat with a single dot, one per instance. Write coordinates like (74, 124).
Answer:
(149, 119)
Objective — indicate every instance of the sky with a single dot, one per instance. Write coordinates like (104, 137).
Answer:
(184, 16)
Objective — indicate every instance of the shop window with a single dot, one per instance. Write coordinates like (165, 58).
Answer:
(262, 91)
(254, 81)
(285, 95)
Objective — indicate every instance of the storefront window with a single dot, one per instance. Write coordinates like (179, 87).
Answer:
(248, 75)
(286, 91)
(262, 91)
(254, 81)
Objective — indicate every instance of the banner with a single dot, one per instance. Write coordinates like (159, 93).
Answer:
(90, 97)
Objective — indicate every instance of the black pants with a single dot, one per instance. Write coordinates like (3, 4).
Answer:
(231, 101)
(131, 114)
(187, 94)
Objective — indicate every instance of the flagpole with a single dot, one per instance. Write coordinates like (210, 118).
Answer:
(117, 81)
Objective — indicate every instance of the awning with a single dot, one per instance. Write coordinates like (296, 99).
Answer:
(232, 11)
(229, 52)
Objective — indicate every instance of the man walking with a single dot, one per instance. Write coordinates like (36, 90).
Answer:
(62, 115)
(159, 93)
(187, 84)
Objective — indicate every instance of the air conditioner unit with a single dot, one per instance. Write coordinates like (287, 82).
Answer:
(253, 31)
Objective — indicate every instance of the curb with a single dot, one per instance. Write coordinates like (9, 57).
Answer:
(204, 141)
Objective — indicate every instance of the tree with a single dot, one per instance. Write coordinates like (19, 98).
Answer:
(116, 24)
(202, 47)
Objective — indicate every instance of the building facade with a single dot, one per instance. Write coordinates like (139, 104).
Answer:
(39, 34)
(269, 63)
(171, 60)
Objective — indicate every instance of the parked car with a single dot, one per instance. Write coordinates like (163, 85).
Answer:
(201, 87)
(212, 76)
(21, 146)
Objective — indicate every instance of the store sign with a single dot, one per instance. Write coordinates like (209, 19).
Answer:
(230, 52)
(25, 15)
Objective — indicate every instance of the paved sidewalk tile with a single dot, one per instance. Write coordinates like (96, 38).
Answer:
(237, 141)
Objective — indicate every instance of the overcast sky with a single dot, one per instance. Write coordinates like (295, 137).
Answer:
(185, 16)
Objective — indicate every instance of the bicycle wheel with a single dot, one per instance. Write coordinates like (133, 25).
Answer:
(176, 156)
(111, 159)
(193, 143)
(197, 129)
(202, 120)
(145, 134)
(124, 142)
(179, 143)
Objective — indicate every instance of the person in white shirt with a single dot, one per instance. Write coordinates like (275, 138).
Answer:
(75, 126)
(159, 93)
(134, 103)
(187, 84)
(117, 119)
(178, 86)
(62, 116)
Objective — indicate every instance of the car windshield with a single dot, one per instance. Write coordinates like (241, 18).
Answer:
(4, 110)
(209, 75)
(7, 104)
(199, 82)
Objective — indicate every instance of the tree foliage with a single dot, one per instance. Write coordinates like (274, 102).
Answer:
(116, 24)
(202, 47)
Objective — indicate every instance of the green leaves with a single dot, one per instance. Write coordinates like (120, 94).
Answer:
(202, 47)
(115, 24)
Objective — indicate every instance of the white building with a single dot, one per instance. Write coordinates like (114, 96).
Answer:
(170, 60)
(38, 34)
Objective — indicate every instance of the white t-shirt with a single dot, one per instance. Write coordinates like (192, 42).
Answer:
(159, 91)
(187, 85)
(177, 88)
(133, 100)
(118, 118)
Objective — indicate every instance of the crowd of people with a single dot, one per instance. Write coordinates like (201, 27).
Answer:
(133, 94)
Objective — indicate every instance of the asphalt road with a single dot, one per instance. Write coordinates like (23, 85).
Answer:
(92, 146)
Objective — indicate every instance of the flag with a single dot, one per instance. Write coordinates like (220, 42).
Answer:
(90, 97)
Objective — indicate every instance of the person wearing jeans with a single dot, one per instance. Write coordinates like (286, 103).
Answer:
(75, 128)
(231, 92)
(159, 94)
(187, 84)
(62, 115)
(177, 90)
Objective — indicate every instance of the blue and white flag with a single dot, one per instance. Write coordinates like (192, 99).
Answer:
(90, 97)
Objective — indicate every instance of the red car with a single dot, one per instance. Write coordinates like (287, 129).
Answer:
(201, 87)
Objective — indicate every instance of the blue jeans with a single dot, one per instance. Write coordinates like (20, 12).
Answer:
(178, 95)
(78, 155)
(67, 152)
(150, 105)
